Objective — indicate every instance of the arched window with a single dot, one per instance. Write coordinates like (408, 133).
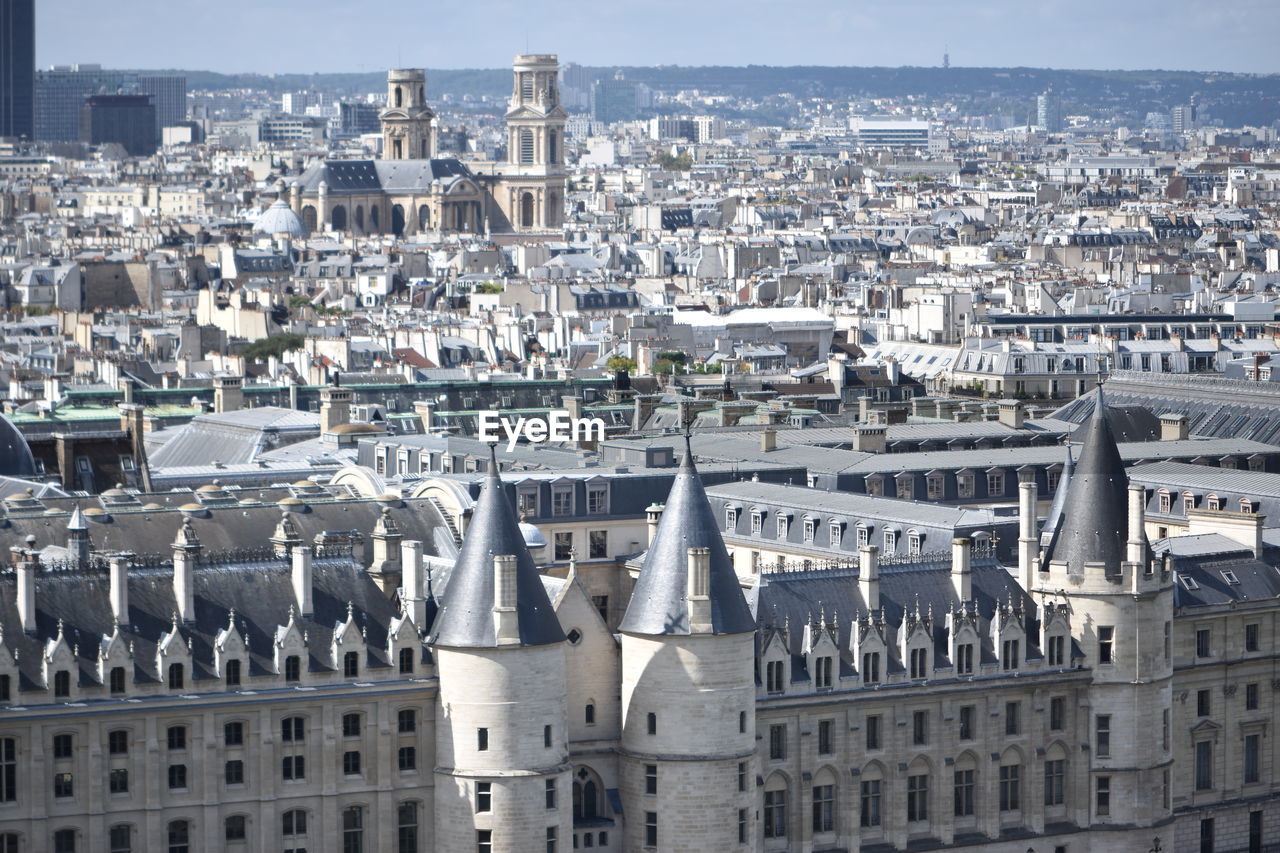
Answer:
(526, 87)
(360, 216)
(590, 714)
(587, 789)
(824, 801)
(918, 791)
(179, 836)
(775, 806)
(1055, 776)
(1011, 781)
(653, 723)
(871, 794)
(375, 217)
(965, 788)
(424, 217)
(309, 218)
(294, 823)
(526, 210)
(338, 218)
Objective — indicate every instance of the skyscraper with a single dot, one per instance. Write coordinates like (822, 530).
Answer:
(1049, 111)
(61, 92)
(17, 67)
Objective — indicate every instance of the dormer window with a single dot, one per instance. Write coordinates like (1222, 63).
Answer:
(730, 518)
(774, 677)
(1188, 501)
(784, 522)
(757, 522)
(809, 525)
(1164, 501)
(915, 541)
(864, 535)
(822, 673)
(890, 541)
(1213, 502)
(837, 533)
(1246, 506)
(919, 663)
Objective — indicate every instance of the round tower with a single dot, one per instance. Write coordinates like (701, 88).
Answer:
(533, 196)
(688, 688)
(502, 755)
(1121, 605)
(406, 121)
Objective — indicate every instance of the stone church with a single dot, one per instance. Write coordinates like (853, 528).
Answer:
(410, 190)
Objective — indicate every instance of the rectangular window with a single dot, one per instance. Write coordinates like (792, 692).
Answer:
(63, 785)
(1106, 637)
(551, 839)
(964, 659)
(118, 742)
(546, 737)
(550, 794)
(822, 675)
(118, 781)
(873, 732)
(1057, 713)
(777, 742)
(1252, 752)
(742, 775)
(1009, 660)
(233, 734)
(920, 727)
(482, 739)
(8, 770)
(1010, 788)
(353, 830)
(1102, 796)
(651, 778)
(484, 797)
(967, 715)
(1204, 645)
(964, 793)
(870, 790)
(1204, 765)
(773, 677)
(824, 802)
(1102, 744)
(871, 667)
(484, 841)
(561, 501)
(351, 725)
(1255, 832)
(1251, 697)
(407, 828)
(119, 840)
(1055, 782)
(1057, 650)
(407, 758)
(351, 763)
(597, 500)
(651, 829)
(563, 543)
(1011, 722)
(63, 746)
(1206, 835)
(919, 663)
(775, 814)
(598, 544)
(177, 776)
(292, 730)
(917, 797)
(824, 737)
(407, 721)
(742, 826)
(1251, 637)
(177, 737)
(293, 767)
(1204, 703)
(233, 772)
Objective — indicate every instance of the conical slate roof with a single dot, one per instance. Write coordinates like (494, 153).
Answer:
(1050, 529)
(659, 604)
(1094, 522)
(466, 619)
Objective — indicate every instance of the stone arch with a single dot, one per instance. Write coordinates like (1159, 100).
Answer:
(424, 217)
(588, 794)
(397, 220)
(526, 209)
(309, 218)
(359, 217)
(338, 218)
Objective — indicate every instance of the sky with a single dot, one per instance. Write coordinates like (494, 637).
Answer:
(305, 36)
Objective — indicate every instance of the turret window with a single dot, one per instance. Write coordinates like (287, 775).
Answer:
(484, 797)
(651, 778)
(653, 723)
(482, 739)
(1102, 740)
(484, 841)
(1106, 642)
(651, 829)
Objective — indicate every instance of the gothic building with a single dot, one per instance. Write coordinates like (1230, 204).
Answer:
(301, 668)
(410, 190)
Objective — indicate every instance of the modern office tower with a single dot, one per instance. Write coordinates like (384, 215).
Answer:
(614, 100)
(1049, 111)
(129, 120)
(62, 90)
(356, 119)
(17, 68)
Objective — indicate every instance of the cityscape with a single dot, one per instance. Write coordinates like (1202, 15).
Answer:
(847, 457)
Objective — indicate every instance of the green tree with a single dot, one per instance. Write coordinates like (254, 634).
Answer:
(489, 287)
(621, 362)
(276, 345)
(673, 162)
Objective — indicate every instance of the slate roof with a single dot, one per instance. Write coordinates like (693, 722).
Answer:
(344, 177)
(466, 591)
(659, 602)
(15, 456)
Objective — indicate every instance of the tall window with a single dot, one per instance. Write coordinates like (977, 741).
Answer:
(777, 742)
(1252, 752)
(822, 678)
(918, 797)
(1012, 723)
(870, 793)
(967, 715)
(824, 811)
(920, 727)
(1102, 796)
(824, 737)
(1106, 639)
(1055, 782)
(292, 668)
(775, 814)
(553, 152)
(177, 777)
(964, 793)
(484, 797)
(407, 829)
(484, 841)
(873, 731)
(1204, 765)
(294, 823)
(353, 830)
(526, 146)
(61, 684)
(117, 682)
(351, 664)
(919, 663)
(1102, 745)
(1057, 650)
(964, 659)
(179, 836)
(407, 721)
(773, 676)
(1009, 659)
(177, 676)
(651, 829)
(1204, 644)
(871, 667)
(405, 657)
(1010, 788)
(233, 673)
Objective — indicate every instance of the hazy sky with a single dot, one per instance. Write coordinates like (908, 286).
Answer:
(357, 35)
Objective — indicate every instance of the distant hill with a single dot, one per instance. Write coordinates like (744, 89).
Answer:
(1237, 99)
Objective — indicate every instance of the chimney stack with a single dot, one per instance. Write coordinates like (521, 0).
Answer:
(1028, 541)
(869, 576)
(768, 440)
(653, 514)
(303, 576)
(185, 548)
(26, 571)
(120, 587)
(1136, 550)
(506, 619)
(699, 591)
(961, 570)
(411, 567)
(1173, 427)
(228, 394)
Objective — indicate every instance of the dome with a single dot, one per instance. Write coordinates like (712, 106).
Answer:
(354, 429)
(15, 455)
(279, 218)
(533, 538)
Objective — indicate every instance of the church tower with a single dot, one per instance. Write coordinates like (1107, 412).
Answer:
(406, 121)
(1121, 605)
(502, 780)
(532, 193)
(688, 688)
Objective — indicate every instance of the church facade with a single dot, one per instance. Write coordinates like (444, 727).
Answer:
(410, 191)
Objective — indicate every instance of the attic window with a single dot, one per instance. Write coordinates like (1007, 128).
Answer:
(575, 637)
(1230, 577)
(1189, 582)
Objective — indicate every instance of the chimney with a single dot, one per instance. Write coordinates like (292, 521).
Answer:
(411, 566)
(1012, 413)
(228, 394)
(335, 407)
(869, 576)
(506, 619)
(869, 439)
(768, 441)
(699, 591)
(1135, 550)
(426, 410)
(1173, 427)
(653, 514)
(26, 570)
(961, 570)
(1028, 541)
(120, 587)
(301, 557)
(185, 548)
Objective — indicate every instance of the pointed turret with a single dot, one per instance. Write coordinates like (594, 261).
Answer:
(660, 602)
(466, 618)
(1094, 525)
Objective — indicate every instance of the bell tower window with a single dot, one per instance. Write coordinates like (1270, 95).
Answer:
(399, 97)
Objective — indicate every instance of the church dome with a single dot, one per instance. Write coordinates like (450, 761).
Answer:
(279, 218)
(15, 455)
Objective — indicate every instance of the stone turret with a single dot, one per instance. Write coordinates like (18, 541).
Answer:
(406, 121)
(688, 684)
(502, 730)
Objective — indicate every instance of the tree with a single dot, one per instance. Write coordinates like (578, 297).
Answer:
(489, 287)
(673, 162)
(621, 362)
(276, 345)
